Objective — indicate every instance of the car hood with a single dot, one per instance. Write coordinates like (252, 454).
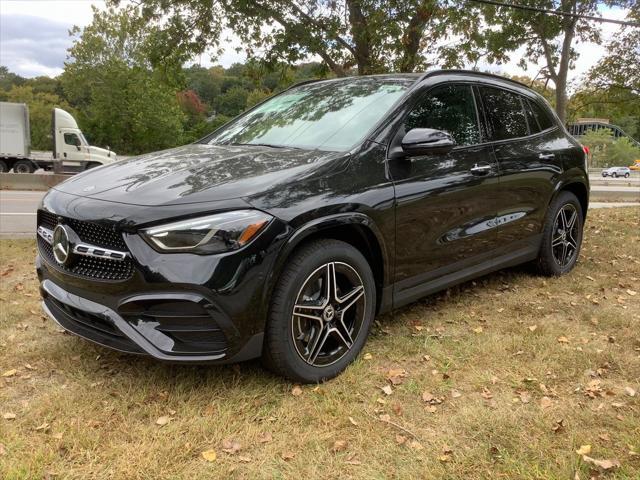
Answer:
(196, 173)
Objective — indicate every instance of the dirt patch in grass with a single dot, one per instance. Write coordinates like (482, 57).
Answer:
(504, 377)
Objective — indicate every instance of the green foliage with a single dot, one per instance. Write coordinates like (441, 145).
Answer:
(622, 152)
(598, 141)
(40, 106)
(9, 79)
(126, 97)
(256, 96)
(606, 151)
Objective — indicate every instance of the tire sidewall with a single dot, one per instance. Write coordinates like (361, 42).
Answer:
(563, 199)
(282, 317)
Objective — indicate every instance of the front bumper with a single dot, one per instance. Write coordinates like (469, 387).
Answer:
(180, 308)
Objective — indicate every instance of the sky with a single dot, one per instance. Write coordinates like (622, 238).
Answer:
(34, 38)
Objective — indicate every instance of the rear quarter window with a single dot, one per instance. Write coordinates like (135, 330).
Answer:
(541, 115)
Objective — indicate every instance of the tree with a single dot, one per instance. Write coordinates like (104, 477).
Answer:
(125, 93)
(371, 36)
(9, 79)
(620, 67)
(548, 38)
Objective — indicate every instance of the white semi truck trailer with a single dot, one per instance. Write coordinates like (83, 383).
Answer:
(70, 148)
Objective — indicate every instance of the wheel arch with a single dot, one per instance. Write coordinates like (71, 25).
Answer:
(356, 229)
(579, 189)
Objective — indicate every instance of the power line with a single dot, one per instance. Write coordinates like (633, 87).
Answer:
(557, 12)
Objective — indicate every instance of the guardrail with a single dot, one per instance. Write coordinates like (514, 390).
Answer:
(25, 181)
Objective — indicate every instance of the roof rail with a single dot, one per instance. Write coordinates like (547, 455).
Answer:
(434, 73)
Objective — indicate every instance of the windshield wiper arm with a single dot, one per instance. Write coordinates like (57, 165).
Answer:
(271, 145)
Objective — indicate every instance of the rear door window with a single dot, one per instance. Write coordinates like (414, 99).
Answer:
(504, 113)
(541, 115)
(449, 108)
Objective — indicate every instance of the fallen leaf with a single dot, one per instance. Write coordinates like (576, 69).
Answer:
(400, 439)
(265, 437)
(164, 420)
(209, 455)
(414, 444)
(339, 446)
(558, 426)
(231, 446)
(455, 393)
(296, 391)
(9, 416)
(10, 373)
(533, 328)
(486, 393)
(427, 396)
(353, 422)
(584, 450)
(385, 417)
(632, 292)
(431, 409)
(545, 402)
(42, 428)
(396, 375)
(387, 389)
(525, 397)
(563, 340)
(602, 464)
(478, 329)
(367, 356)
(286, 456)
(630, 391)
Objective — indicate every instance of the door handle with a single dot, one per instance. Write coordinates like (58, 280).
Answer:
(547, 156)
(481, 169)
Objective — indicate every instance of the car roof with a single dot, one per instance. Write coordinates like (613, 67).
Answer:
(417, 77)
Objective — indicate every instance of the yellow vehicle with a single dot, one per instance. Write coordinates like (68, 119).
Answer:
(636, 165)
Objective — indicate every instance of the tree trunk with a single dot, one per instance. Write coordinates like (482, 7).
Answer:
(413, 34)
(361, 37)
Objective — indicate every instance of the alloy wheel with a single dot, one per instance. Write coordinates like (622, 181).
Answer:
(328, 314)
(564, 243)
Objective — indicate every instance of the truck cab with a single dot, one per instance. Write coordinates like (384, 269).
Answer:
(72, 148)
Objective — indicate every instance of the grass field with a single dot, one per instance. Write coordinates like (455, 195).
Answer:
(505, 377)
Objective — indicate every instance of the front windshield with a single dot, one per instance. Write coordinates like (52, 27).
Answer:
(334, 115)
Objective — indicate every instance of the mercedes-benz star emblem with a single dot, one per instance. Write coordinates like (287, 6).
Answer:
(61, 244)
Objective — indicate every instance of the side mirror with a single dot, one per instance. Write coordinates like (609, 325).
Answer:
(423, 141)
(78, 147)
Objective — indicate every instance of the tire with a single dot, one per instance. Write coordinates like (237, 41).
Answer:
(561, 245)
(626, 175)
(294, 346)
(604, 174)
(91, 165)
(614, 175)
(4, 168)
(23, 166)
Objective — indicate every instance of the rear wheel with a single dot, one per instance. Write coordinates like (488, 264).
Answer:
(321, 311)
(562, 236)
(626, 175)
(614, 174)
(23, 166)
(4, 168)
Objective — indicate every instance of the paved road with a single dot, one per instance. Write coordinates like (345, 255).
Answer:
(18, 212)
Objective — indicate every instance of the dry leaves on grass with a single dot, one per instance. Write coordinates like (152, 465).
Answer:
(606, 465)
(209, 455)
(396, 375)
(296, 391)
(231, 446)
(163, 420)
(339, 446)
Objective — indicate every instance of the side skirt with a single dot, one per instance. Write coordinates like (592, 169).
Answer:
(516, 257)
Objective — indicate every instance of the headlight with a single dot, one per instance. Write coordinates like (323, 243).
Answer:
(211, 234)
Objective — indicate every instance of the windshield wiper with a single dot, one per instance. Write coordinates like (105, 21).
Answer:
(271, 145)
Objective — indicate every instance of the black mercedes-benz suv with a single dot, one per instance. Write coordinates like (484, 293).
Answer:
(285, 232)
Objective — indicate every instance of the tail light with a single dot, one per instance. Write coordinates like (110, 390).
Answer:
(586, 151)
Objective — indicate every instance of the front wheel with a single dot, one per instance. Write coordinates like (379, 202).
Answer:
(626, 175)
(4, 168)
(562, 236)
(321, 311)
(614, 174)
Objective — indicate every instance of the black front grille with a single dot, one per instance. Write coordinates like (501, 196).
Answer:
(93, 234)
(89, 232)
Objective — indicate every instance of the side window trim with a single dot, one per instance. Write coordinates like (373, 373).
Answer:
(524, 112)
